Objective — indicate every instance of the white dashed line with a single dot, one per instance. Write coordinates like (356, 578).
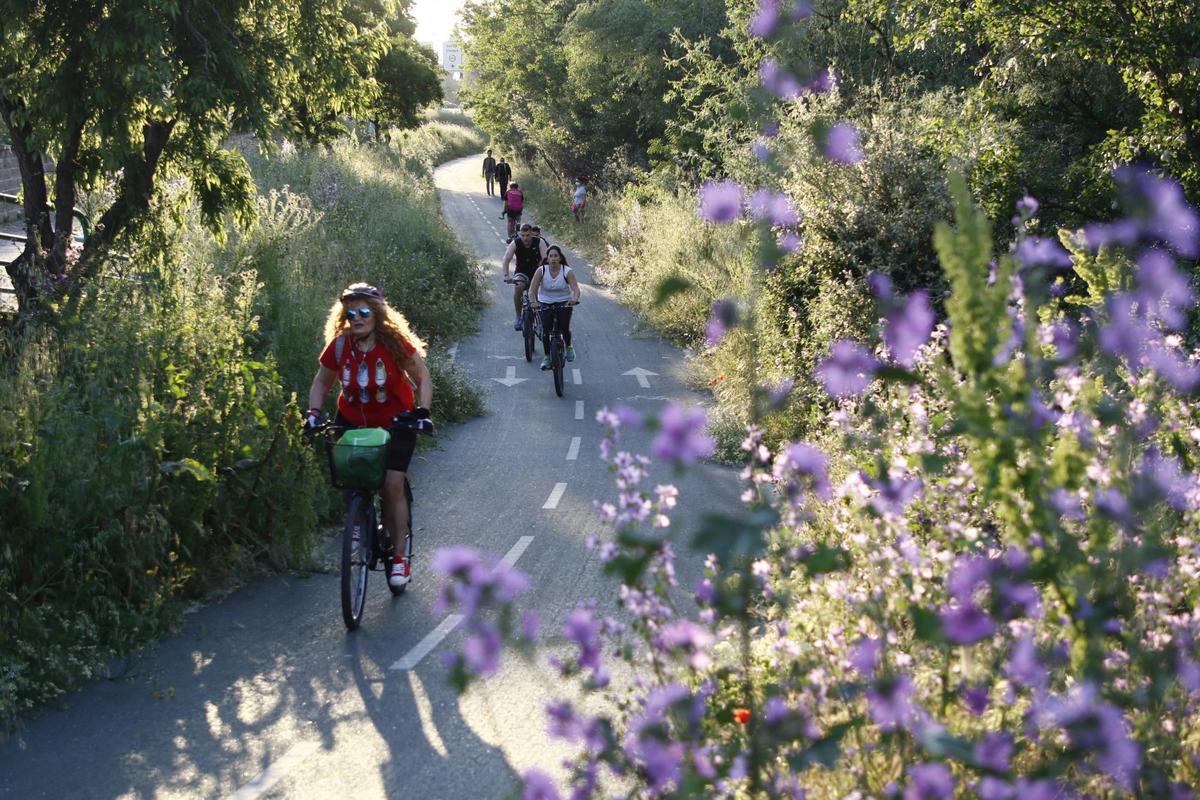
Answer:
(265, 780)
(556, 495)
(577, 376)
(573, 450)
(578, 409)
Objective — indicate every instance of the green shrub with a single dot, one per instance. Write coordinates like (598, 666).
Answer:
(150, 448)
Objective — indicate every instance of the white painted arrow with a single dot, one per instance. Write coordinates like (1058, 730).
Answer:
(641, 374)
(510, 378)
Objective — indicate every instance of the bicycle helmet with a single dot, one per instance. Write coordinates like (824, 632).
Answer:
(362, 291)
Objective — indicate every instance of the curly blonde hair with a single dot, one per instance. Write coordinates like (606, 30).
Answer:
(390, 326)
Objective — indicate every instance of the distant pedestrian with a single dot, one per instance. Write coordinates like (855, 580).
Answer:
(503, 176)
(579, 199)
(489, 172)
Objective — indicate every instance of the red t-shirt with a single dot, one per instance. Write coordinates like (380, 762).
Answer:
(374, 388)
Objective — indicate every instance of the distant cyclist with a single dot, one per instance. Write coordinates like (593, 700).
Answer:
(503, 175)
(528, 253)
(489, 172)
(554, 282)
(514, 204)
(579, 199)
(377, 359)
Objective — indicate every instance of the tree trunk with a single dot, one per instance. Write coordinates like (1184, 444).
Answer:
(64, 198)
(134, 194)
(25, 270)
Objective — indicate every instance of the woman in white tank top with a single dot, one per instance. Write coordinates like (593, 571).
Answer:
(554, 282)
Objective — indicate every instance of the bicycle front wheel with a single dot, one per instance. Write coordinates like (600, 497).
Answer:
(556, 363)
(356, 550)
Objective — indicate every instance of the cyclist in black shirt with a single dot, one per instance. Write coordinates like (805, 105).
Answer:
(529, 254)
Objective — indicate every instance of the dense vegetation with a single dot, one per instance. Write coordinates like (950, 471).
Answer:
(1019, 99)
(941, 260)
(149, 445)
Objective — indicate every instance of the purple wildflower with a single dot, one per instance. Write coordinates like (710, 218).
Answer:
(774, 207)
(681, 439)
(929, 781)
(843, 144)
(968, 574)
(721, 201)
(1181, 374)
(1125, 335)
(1024, 668)
(629, 417)
(1037, 252)
(481, 650)
(582, 628)
(1113, 505)
(1027, 207)
(1122, 233)
(801, 9)
(801, 464)
(539, 786)
(966, 623)
(1067, 504)
(975, 698)
(778, 81)
(689, 638)
(1040, 415)
(1064, 335)
(824, 80)
(765, 19)
(880, 285)
(1162, 289)
(864, 657)
(1159, 205)
(790, 242)
(993, 788)
(760, 150)
(848, 369)
(1018, 599)
(889, 702)
(995, 751)
(908, 327)
(1167, 479)
(1098, 728)
(894, 494)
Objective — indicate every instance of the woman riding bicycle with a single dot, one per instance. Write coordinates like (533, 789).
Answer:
(377, 359)
(554, 282)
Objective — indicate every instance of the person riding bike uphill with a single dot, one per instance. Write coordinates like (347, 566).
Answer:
(554, 282)
(377, 359)
(529, 252)
(514, 204)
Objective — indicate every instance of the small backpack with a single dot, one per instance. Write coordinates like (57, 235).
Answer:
(516, 201)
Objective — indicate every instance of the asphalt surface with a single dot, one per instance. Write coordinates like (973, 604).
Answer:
(264, 693)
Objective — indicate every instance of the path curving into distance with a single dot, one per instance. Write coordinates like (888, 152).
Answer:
(264, 694)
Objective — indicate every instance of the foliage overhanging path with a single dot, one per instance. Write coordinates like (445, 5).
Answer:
(267, 681)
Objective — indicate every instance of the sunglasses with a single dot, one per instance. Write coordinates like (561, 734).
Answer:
(360, 313)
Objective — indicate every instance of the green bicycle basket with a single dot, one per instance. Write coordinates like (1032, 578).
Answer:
(359, 458)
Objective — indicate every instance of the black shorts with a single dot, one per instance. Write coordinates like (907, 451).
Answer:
(400, 448)
(513, 214)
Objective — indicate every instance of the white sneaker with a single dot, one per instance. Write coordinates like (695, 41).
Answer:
(401, 572)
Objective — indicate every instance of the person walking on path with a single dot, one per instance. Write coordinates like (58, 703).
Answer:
(503, 176)
(579, 200)
(489, 172)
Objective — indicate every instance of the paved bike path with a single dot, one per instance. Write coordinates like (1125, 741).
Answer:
(264, 693)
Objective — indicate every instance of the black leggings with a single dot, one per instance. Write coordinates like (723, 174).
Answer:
(564, 325)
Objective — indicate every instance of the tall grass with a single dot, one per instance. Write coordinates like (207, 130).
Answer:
(149, 448)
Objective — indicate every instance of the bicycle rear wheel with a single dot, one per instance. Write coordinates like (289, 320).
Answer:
(356, 550)
(556, 363)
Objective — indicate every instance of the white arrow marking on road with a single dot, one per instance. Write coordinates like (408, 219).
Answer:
(510, 378)
(573, 450)
(641, 375)
(270, 776)
(578, 409)
(556, 495)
